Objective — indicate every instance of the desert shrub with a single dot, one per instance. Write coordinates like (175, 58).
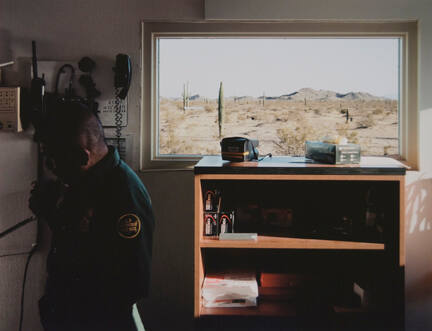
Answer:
(266, 117)
(179, 117)
(283, 118)
(342, 129)
(173, 144)
(291, 142)
(179, 105)
(353, 137)
(367, 121)
(386, 149)
(378, 111)
(209, 108)
(230, 117)
(163, 142)
(242, 117)
(163, 101)
(188, 148)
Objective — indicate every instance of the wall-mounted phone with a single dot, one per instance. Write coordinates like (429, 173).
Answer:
(113, 111)
(10, 109)
(123, 75)
(116, 109)
(122, 80)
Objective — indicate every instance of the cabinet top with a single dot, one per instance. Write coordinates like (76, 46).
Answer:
(369, 165)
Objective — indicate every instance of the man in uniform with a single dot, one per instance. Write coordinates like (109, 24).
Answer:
(102, 222)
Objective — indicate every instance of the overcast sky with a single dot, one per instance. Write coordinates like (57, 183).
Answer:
(278, 66)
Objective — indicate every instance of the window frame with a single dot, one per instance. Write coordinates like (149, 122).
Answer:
(405, 30)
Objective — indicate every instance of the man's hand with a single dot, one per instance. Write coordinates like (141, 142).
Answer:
(45, 197)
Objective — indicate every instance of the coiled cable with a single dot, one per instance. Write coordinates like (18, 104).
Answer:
(118, 117)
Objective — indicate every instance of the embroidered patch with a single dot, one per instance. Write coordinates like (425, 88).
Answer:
(128, 226)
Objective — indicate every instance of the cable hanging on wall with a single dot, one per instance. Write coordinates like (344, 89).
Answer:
(118, 116)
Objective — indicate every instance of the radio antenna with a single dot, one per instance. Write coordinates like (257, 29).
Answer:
(34, 60)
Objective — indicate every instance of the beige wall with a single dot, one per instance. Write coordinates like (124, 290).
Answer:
(171, 295)
(68, 30)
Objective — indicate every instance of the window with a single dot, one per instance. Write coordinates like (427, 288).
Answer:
(280, 83)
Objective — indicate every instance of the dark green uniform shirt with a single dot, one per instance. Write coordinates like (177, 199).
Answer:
(99, 263)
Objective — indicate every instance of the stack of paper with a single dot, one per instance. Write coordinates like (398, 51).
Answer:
(230, 290)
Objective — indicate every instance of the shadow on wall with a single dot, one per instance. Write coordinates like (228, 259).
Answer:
(5, 49)
(8, 73)
(419, 205)
(19, 73)
(418, 286)
(170, 303)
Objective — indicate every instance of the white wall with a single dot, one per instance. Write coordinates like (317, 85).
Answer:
(68, 30)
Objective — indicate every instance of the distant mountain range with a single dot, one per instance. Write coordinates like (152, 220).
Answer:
(324, 95)
(310, 94)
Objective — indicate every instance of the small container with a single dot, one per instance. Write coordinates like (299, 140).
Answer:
(211, 198)
(210, 224)
(226, 222)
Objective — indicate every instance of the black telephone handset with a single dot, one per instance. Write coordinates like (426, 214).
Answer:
(123, 75)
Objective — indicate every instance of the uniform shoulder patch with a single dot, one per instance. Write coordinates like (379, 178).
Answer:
(128, 226)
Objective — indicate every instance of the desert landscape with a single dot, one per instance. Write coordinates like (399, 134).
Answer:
(281, 124)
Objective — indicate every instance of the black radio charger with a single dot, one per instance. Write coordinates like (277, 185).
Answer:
(239, 149)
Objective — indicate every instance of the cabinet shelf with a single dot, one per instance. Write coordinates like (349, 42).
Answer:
(289, 243)
(264, 308)
(271, 308)
(307, 196)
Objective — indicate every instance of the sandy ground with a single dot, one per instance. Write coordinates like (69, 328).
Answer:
(281, 126)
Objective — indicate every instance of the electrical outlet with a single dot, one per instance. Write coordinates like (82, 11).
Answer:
(10, 109)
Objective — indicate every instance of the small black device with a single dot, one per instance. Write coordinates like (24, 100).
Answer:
(123, 75)
(87, 65)
(69, 92)
(37, 107)
(239, 149)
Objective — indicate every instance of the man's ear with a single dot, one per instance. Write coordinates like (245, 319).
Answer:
(84, 157)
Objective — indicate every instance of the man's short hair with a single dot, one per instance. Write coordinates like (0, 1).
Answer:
(74, 123)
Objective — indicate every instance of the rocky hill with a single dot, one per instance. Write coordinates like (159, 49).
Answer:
(326, 95)
(300, 95)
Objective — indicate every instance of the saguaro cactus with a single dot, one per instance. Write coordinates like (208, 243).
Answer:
(220, 108)
(186, 95)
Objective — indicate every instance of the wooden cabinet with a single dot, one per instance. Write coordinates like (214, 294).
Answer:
(321, 198)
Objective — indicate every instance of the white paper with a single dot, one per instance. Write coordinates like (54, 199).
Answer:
(230, 290)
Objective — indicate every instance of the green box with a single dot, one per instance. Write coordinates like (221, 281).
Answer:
(332, 153)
